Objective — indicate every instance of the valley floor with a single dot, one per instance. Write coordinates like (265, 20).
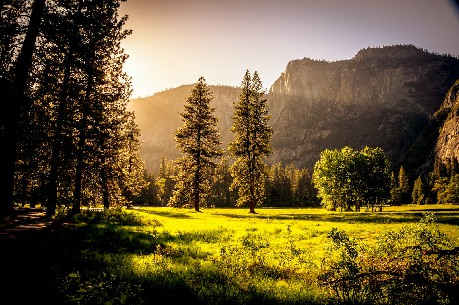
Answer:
(155, 255)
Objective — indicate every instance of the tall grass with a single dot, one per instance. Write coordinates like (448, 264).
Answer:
(220, 256)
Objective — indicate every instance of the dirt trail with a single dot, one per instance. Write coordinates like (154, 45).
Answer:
(22, 221)
(27, 254)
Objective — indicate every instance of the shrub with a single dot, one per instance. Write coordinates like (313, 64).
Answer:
(113, 216)
(416, 265)
(100, 289)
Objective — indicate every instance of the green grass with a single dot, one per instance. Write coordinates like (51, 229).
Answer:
(219, 256)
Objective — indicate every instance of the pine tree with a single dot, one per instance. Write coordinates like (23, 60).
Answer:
(18, 106)
(417, 195)
(221, 184)
(199, 141)
(404, 185)
(166, 181)
(251, 144)
(101, 113)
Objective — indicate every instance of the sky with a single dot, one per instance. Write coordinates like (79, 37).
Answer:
(174, 42)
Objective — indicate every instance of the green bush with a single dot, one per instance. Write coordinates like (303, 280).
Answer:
(416, 265)
(103, 289)
(113, 216)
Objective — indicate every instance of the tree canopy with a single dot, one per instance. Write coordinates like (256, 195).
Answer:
(346, 177)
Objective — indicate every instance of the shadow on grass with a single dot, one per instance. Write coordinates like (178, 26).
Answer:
(436, 210)
(383, 217)
(80, 273)
(164, 213)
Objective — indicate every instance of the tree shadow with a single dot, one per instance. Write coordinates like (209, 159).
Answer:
(164, 213)
(383, 217)
(60, 254)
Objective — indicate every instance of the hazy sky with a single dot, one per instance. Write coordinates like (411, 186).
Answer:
(176, 41)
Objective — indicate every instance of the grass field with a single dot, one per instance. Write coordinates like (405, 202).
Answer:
(220, 256)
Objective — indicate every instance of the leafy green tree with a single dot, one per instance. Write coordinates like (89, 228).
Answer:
(199, 141)
(251, 144)
(330, 178)
(417, 195)
(346, 178)
(375, 177)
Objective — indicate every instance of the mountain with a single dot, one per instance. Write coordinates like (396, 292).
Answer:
(381, 97)
(158, 118)
(447, 146)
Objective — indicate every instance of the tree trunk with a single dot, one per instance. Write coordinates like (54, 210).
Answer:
(22, 70)
(76, 208)
(82, 143)
(252, 207)
(197, 176)
(105, 193)
(56, 145)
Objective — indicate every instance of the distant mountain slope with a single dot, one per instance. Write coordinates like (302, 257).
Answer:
(382, 97)
(158, 117)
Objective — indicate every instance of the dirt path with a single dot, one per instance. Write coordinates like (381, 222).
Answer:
(27, 254)
(23, 221)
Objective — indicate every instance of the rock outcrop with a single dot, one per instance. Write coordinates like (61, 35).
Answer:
(447, 146)
(381, 97)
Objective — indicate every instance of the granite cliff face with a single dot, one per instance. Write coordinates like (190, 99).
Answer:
(447, 146)
(381, 97)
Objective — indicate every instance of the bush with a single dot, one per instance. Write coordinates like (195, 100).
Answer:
(113, 216)
(416, 265)
(103, 289)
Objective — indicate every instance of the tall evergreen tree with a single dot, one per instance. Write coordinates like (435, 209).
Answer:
(221, 184)
(18, 105)
(417, 196)
(404, 185)
(251, 144)
(101, 115)
(199, 141)
(166, 181)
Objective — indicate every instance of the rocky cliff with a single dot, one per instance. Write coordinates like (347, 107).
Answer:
(447, 146)
(381, 97)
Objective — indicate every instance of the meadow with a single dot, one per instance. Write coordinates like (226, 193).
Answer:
(220, 256)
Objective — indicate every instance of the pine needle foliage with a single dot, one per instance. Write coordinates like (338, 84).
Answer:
(252, 142)
(199, 141)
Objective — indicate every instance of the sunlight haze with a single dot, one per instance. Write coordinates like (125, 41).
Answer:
(176, 41)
